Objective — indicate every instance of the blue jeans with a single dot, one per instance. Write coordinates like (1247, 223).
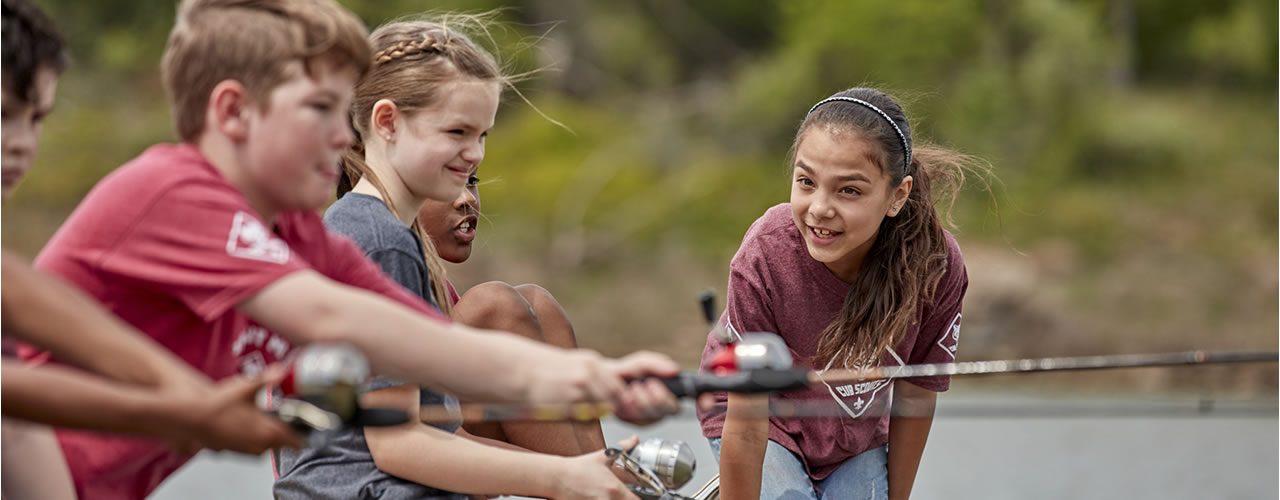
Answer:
(863, 477)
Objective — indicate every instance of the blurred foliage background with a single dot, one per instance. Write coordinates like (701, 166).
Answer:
(1135, 144)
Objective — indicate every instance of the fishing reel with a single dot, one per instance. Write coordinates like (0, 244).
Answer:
(752, 363)
(755, 351)
(660, 466)
(321, 390)
(760, 363)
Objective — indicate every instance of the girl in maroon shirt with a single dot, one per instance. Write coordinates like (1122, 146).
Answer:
(855, 271)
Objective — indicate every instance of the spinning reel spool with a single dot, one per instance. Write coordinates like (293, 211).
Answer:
(321, 389)
(661, 466)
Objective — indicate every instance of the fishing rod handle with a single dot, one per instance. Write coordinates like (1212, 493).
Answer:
(690, 384)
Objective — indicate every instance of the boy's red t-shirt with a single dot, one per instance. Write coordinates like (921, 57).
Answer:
(168, 245)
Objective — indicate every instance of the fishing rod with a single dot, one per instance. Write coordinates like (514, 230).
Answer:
(1031, 365)
(760, 363)
(776, 380)
(1173, 408)
(1189, 408)
(782, 379)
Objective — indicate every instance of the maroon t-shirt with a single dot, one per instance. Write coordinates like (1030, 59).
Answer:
(169, 246)
(776, 287)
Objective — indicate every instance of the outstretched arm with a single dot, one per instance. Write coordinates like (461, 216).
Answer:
(222, 417)
(474, 364)
(907, 435)
(164, 397)
(46, 311)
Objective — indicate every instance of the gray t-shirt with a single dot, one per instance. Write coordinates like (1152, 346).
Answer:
(343, 468)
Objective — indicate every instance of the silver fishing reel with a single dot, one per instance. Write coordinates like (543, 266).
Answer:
(761, 351)
(321, 389)
(328, 376)
(672, 461)
(660, 466)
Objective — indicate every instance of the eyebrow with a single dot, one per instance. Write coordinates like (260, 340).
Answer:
(843, 178)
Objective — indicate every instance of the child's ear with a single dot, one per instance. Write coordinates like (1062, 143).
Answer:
(228, 106)
(900, 195)
(382, 119)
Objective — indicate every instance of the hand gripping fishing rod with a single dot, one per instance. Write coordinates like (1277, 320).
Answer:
(760, 363)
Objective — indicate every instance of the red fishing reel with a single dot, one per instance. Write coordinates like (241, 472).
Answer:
(755, 351)
(751, 351)
(754, 363)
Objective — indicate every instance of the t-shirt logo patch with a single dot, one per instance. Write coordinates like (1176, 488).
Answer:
(249, 239)
(950, 338)
(856, 399)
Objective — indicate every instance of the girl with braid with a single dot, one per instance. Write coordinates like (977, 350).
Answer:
(421, 116)
(856, 271)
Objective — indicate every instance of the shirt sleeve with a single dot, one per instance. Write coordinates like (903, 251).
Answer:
(359, 271)
(747, 309)
(405, 270)
(203, 247)
(939, 335)
(747, 304)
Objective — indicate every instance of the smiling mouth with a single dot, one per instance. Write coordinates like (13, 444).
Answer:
(823, 234)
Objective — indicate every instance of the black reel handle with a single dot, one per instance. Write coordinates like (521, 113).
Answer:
(380, 417)
(708, 302)
(762, 381)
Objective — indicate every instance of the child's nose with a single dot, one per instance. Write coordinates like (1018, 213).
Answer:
(819, 208)
(467, 198)
(473, 153)
(19, 141)
(344, 137)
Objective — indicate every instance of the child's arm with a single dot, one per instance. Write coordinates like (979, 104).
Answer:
(31, 463)
(433, 457)
(742, 447)
(462, 432)
(219, 418)
(50, 313)
(907, 435)
(47, 312)
(481, 365)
